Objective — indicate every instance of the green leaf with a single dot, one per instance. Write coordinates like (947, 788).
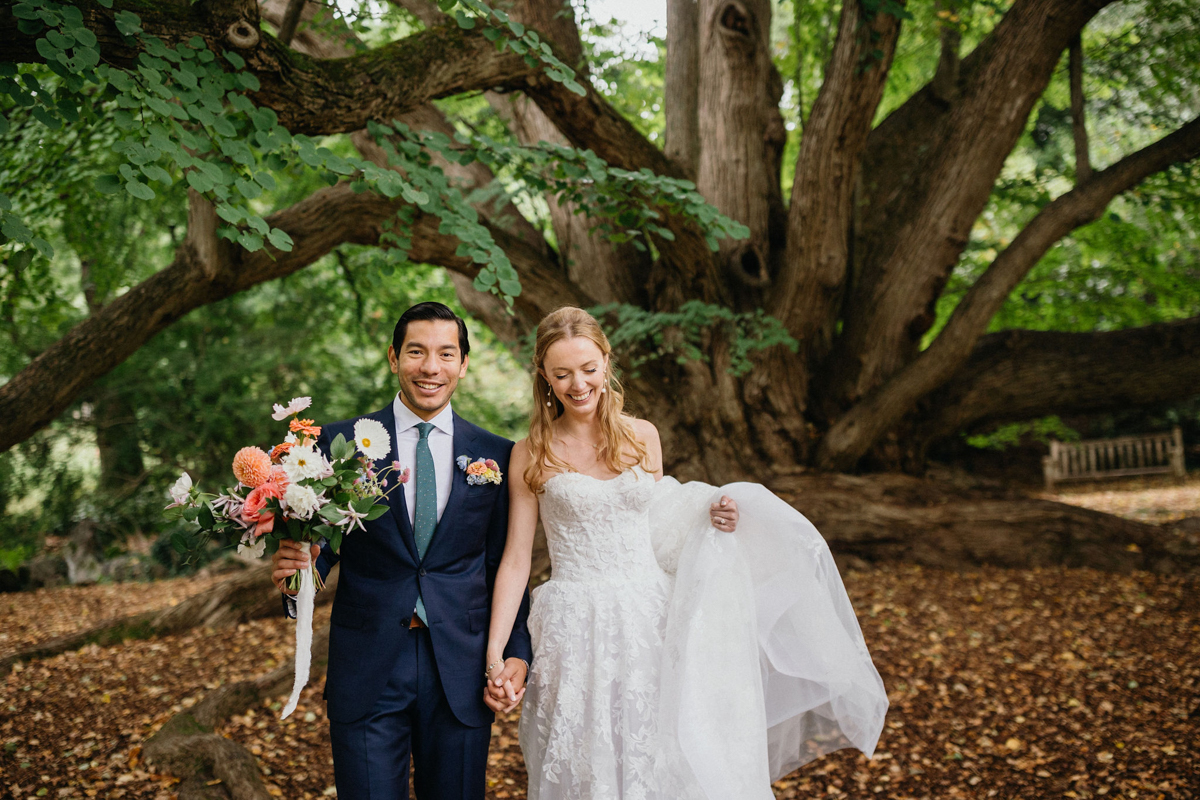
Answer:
(252, 242)
(139, 190)
(43, 247)
(340, 448)
(127, 23)
(377, 511)
(180, 543)
(236, 60)
(330, 513)
(280, 240)
(248, 81)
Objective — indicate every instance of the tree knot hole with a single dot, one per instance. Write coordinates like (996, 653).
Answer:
(734, 20)
(749, 267)
(242, 35)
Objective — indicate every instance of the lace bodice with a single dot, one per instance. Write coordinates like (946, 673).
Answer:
(599, 530)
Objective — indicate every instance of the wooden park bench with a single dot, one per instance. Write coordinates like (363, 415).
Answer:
(1151, 454)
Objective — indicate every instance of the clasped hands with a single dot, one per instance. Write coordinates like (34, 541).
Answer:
(505, 685)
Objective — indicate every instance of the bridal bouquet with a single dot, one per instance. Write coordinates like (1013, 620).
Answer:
(294, 492)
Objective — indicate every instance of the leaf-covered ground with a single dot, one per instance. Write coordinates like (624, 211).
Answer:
(1045, 683)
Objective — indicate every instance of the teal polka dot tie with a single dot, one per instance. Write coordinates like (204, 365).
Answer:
(425, 511)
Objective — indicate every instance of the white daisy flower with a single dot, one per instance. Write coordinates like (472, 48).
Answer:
(372, 439)
(303, 462)
(294, 406)
(301, 501)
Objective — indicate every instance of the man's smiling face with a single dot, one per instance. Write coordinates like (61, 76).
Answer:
(429, 365)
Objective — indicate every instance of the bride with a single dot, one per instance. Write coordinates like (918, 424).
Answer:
(692, 642)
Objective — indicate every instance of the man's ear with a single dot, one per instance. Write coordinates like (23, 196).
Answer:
(393, 360)
(462, 371)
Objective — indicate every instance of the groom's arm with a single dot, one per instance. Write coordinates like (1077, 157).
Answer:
(519, 644)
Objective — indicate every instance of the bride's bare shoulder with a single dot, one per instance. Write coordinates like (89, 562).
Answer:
(645, 430)
(647, 434)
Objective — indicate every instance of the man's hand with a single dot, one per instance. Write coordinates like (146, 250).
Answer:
(724, 514)
(289, 559)
(506, 686)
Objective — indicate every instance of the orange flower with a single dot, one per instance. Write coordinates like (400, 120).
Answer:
(280, 450)
(256, 501)
(252, 467)
(279, 478)
(476, 468)
(304, 426)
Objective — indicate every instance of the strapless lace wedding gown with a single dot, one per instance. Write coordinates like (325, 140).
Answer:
(675, 661)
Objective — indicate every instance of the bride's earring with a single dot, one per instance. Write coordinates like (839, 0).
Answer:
(548, 403)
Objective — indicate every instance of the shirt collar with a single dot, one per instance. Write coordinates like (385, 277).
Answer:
(405, 418)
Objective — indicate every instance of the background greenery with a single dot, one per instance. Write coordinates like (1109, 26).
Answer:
(204, 387)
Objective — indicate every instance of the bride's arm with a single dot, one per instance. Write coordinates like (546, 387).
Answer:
(723, 514)
(512, 576)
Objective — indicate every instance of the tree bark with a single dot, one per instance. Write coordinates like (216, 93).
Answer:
(310, 96)
(681, 85)
(1020, 374)
(921, 201)
(854, 433)
(1083, 159)
(808, 294)
(741, 137)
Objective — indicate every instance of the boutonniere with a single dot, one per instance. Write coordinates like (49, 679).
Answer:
(480, 471)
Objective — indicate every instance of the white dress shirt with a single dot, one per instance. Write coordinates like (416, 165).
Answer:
(441, 447)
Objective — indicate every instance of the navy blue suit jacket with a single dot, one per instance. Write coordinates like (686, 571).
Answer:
(381, 575)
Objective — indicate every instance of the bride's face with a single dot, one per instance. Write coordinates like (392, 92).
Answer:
(575, 369)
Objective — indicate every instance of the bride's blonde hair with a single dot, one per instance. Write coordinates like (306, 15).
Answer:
(620, 448)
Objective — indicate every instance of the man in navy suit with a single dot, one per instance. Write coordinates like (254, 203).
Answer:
(409, 625)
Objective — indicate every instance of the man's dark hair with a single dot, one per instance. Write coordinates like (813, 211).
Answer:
(427, 311)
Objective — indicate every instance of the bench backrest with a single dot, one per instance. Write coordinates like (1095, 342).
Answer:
(1124, 455)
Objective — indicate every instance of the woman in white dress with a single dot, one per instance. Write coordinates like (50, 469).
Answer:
(673, 657)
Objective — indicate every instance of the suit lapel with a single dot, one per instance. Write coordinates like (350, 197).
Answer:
(464, 442)
(395, 498)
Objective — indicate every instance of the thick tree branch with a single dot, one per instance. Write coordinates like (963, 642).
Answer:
(591, 123)
(310, 96)
(1020, 374)
(857, 430)
(1083, 159)
(928, 172)
(809, 288)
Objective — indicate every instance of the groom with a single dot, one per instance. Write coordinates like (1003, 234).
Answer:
(409, 625)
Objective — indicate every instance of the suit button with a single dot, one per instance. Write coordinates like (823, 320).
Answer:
(423, 573)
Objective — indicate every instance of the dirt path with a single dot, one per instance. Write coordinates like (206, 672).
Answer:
(1044, 683)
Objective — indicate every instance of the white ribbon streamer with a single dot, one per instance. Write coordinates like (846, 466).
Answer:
(304, 618)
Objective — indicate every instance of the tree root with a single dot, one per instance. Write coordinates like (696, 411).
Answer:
(210, 765)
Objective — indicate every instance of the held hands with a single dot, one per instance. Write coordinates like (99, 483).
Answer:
(289, 559)
(505, 685)
(724, 514)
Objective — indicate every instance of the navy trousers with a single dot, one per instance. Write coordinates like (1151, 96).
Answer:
(411, 719)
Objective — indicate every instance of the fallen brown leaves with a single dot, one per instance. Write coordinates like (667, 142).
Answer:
(1042, 683)
(32, 617)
